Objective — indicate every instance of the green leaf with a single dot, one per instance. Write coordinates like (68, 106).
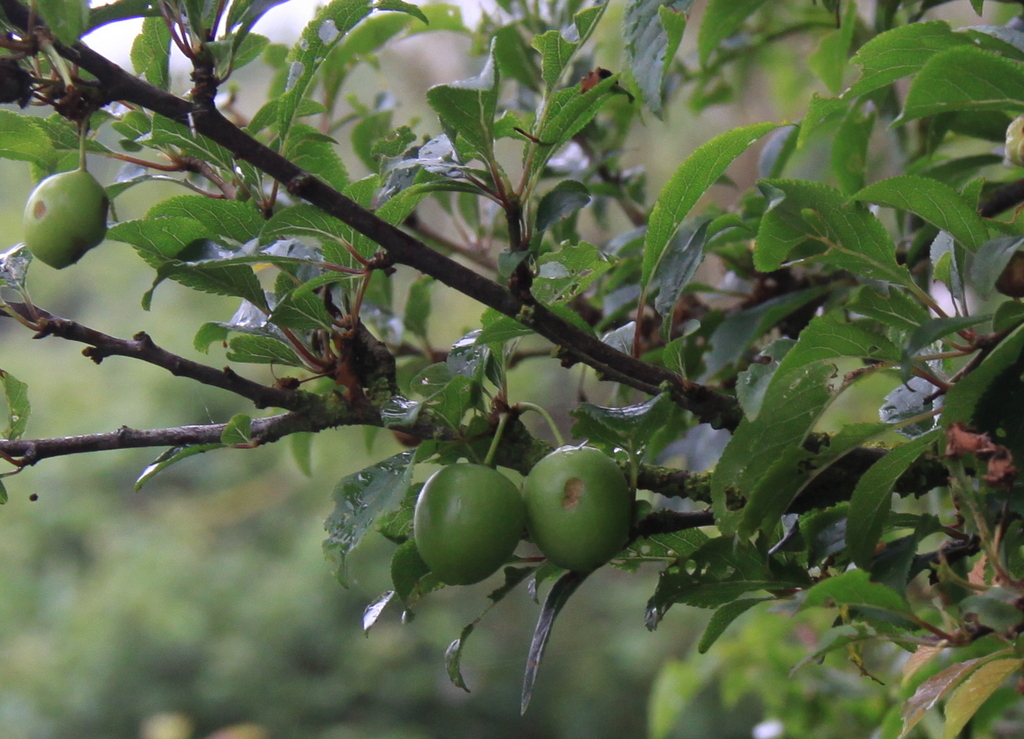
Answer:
(897, 310)
(158, 239)
(564, 199)
(852, 237)
(753, 382)
(558, 596)
(936, 202)
(417, 306)
(317, 154)
(850, 150)
(499, 328)
(901, 52)
(237, 431)
(691, 180)
(722, 618)
(828, 61)
(682, 257)
(651, 31)
(18, 407)
(171, 456)
(229, 219)
(977, 688)
(67, 19)
(151, 52)
(261, 350)
(962, 399)
(359, 499)
(936, 328)
(322, 33)
(466, 110)
(872, 498)
(629, 427)
(207, 334)
(722, 18)
(932, 690)
(304, 221)
(235, 280)
(820, 112)
(24, 138)
(301, 310)
(990, 261)
(995, 608)
(120, 10)
(965, 79)
(854, 588)
(555, 54)
(171, 133)
(564, 274)
(800, 396)
(565, 114)
(411, 575)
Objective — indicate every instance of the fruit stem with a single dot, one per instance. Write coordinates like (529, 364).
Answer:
(502, 422)
(547, 417)
(82, 128)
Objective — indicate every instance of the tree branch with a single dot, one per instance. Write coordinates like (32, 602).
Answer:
(116, 84)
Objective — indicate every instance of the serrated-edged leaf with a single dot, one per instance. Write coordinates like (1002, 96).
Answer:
(171, 133)
(411, 575)
(722, 618)
(66, 19)
(64, 136)
(967, 79)
(158, 239)
(565, 114)
(359, 499)
(682, 257)
(977, 688)
(900, 52)
(151, 52)
(238, 430)
(229, 219)
(799, 396)
(666, 547)
(936, 202)
(235, 280)
(301, 310)
(171, 456)
(828, 61)
(722, 19)
(690, 181)
(752, 383)
(854, 239)
(466, 109)
(794, 469)
(854, 588)
(557, 597)
(329, 26)
(18, 407)
(255, 349)
(651, 31)
(897, 310)
(627, 427)
(872, 497)
(317, 154)
(564, 274)
(24, 138)
(932, 690)
(820, 112)
(963, 397)
(207, 334)
(990, 261)
(417, 306)
(936, 328)
(564, 199)
(305, 221)
(555, 53)
(850, 150)
(499, 328)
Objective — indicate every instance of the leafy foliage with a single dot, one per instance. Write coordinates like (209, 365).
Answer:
(878, 248)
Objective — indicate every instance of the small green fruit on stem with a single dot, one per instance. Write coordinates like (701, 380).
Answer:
(579, 507)
(65, 216)
(467, 522)
(1015, 142)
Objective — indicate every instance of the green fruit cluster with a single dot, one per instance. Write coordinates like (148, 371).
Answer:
(65, 216)
(469, 517)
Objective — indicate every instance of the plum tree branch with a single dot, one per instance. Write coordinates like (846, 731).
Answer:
(200, 115)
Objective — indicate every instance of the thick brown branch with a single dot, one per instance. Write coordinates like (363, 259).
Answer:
(578, 346)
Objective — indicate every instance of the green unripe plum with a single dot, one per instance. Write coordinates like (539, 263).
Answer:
(1015, 142)
(65, 216)
(467, 522)
(578, 507)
